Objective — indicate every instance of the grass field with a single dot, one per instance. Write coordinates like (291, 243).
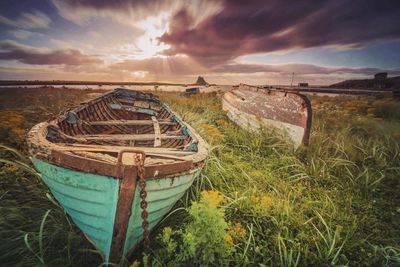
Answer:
(257, 202)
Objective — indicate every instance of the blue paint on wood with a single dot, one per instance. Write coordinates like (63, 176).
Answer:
(162, 194)
(89, 199)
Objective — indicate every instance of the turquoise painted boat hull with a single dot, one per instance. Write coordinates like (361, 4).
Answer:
(91, 202)
(162, 194)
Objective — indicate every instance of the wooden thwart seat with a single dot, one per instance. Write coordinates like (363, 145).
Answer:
(128, 137)
(130, 122)
(147, 150)
(170, 153)
(134, 109)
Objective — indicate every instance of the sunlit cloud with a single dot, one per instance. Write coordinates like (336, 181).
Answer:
(151, 17)
(148, 44)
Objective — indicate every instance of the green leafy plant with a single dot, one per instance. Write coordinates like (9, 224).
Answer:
(320, 205)
(204, 241)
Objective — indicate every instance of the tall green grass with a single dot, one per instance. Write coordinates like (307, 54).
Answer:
(326, 199)
(33, 228)
(333, 203)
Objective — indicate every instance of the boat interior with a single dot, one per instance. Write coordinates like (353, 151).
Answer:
(122, 119)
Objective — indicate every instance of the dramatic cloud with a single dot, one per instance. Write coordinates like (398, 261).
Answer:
(10, 50)
(245, 27)
(299, 69)
(176, 40)
(130, 11)
(34, 20)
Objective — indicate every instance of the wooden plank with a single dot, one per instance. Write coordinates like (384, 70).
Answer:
(157, 132)
(127, 137)
(118, 148)
(130, 122)
(134, 109)
(150, 151)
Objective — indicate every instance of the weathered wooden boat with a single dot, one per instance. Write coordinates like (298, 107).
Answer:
(253, 108)
(117, 164)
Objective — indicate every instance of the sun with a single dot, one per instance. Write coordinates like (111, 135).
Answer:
(154, 27)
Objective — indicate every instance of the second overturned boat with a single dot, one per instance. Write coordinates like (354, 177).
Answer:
(117, 164)
(253, 108)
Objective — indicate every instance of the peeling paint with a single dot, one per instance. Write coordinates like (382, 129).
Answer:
(253, 108)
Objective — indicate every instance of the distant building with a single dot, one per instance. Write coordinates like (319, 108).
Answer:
(303, 84)
(381, 76)
(192, 90)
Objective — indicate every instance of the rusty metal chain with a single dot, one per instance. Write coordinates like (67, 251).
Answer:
(139, 160)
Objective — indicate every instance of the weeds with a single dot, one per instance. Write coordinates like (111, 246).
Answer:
(333, 203)
(287, 256)
(390, 255)
(40, 254)
(332, 245)
(203, 241)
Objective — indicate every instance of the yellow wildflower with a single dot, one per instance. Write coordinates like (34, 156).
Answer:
(214, 197)
(223, 123)
(237, 231)
(261, 204)
(167, 230)
(213, 132)
(229, 239)
(266, 201)
(9, 168)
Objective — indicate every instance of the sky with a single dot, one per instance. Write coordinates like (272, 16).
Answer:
(225, 41)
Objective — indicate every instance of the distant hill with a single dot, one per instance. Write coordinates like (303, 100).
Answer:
(201, 81)
(388, 83)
